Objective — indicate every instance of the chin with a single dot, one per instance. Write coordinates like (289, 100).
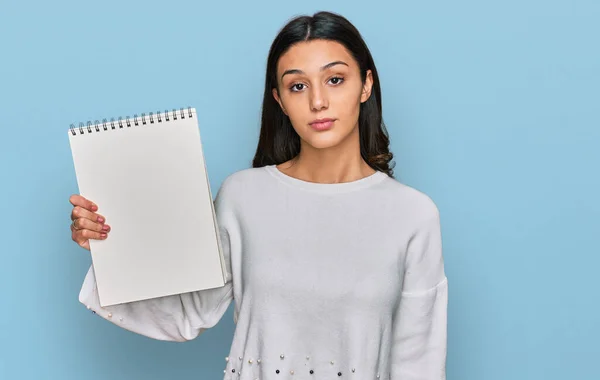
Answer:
(324, 140)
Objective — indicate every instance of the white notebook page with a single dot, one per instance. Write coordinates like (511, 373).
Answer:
(151, 184)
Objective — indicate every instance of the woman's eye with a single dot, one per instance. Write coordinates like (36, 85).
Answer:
(297, 87)
(337, 80)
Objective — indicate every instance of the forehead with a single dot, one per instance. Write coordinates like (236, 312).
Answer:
(312, 55)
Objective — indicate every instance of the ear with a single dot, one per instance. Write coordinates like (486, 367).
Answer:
(278, 99)
(368, 85)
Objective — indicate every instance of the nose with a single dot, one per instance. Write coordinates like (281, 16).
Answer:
(318, 99)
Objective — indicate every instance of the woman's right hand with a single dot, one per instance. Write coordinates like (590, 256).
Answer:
(87, 224)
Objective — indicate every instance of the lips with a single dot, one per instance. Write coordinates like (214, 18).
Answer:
(322, 124)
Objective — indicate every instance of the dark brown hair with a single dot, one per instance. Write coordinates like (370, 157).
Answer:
(278, 141)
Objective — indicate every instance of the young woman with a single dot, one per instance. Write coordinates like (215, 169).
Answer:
(335, 267)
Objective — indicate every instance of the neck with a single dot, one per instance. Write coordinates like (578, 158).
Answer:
(337, 164)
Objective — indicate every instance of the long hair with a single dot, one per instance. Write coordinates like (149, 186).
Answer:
(278, 141)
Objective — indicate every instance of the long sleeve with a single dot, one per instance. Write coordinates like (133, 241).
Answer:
(420, 323)
(173, 318)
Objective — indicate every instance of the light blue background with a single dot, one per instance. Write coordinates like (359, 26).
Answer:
(493, 110)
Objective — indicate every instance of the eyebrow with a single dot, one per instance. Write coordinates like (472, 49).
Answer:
(298, 71)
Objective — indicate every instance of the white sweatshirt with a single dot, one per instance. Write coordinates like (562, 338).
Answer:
(340, 280)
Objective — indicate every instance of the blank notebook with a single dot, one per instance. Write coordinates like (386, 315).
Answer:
(148, 176)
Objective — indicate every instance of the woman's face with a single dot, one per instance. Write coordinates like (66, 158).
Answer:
(320, 90)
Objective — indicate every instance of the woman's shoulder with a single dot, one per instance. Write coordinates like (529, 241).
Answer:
(241, 184)
(242, 178)
(409, 200)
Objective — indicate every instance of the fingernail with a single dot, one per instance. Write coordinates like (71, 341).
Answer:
(105, 227)
(100, 219)
(103, 235)
(94, 207)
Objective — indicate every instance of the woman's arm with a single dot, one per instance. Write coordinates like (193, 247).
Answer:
(178, 317)
(420, 322)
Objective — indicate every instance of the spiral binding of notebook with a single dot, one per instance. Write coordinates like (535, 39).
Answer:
(119, 123)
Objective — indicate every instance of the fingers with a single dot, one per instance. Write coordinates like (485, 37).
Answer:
(89, 234)
(80, 212)
(86, 224)
(82, 237)
(84, 208)
(78, 200)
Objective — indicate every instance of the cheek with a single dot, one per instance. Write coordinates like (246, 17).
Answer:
(299, 114)
(292, 103)
(345, 105)
(297, 109)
